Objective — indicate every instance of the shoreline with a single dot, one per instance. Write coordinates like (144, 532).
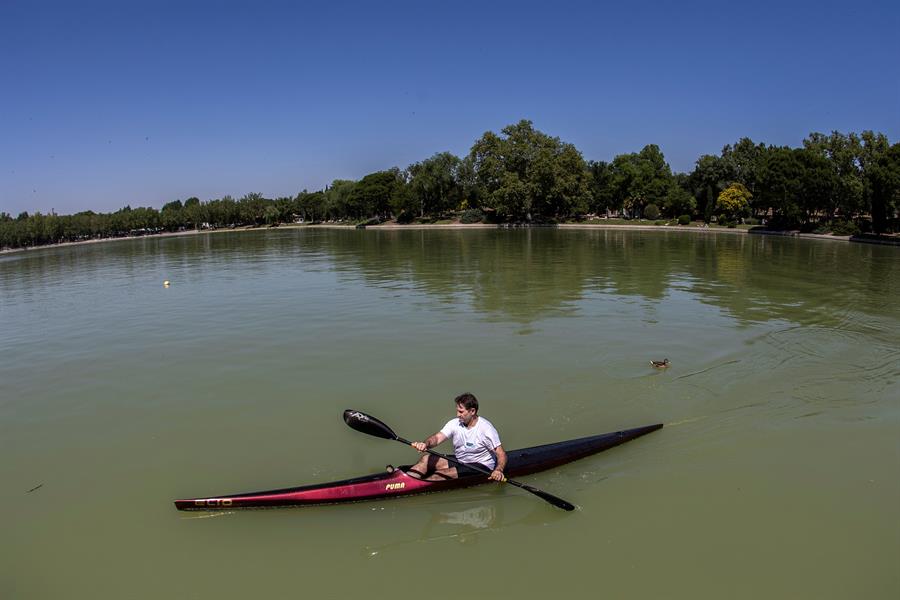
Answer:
(892, 241)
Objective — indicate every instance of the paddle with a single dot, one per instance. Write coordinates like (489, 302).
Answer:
(372, 426)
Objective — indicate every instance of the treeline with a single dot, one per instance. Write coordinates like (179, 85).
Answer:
(840, 182)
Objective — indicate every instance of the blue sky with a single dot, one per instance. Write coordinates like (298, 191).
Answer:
(104, 104)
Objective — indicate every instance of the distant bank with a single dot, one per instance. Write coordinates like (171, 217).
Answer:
(391, 226)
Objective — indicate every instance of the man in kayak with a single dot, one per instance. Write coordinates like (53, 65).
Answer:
(475, 441)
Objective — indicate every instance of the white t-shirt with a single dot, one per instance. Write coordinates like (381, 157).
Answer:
(475, 445)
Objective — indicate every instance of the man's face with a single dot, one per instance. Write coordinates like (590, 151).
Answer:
(464, 415)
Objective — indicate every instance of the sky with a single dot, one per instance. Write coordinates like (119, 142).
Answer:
(107, 104)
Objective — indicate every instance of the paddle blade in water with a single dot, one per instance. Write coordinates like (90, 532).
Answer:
(555, 501)
(366, 424)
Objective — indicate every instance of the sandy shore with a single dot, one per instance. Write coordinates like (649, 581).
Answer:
(395, 226)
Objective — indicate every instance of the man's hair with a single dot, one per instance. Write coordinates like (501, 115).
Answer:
(467, 401)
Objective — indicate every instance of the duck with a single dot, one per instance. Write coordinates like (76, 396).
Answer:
(660, 364)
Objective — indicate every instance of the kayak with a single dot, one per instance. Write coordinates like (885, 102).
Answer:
(396, 482)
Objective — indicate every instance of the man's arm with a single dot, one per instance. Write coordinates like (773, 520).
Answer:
(497, 475)
(432, 441)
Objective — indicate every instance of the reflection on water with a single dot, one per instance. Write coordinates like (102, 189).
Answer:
(467, 525)
(524, 274)
(479, 517)
(519, 274)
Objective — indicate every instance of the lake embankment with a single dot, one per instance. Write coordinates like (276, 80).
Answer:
(864, 239)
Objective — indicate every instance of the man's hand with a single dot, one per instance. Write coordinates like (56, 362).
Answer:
(497, 474)
(430, 442)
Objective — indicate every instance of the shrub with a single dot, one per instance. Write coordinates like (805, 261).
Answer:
(405, 217)
(659, 222)
(651, 212)
(844, 228)
(751, 221)
(472, 215)
(684, 219)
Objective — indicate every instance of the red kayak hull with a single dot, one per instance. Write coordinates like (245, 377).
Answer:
(386, 485)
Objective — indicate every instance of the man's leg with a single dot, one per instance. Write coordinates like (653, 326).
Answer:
(432, 468)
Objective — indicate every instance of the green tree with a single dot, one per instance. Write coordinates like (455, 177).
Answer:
(843, 153)
(404, 204)
(603, 197)
(743, 161)
(524, 173)
(641, 178)
(818, 185)
(194, 213)
(679, 201)
(435, 183)
(372, 195)
(780, 184)
(883, 174)
(172, 215)
(337, 198)
(311, 205)
(270, 213)
(252, 209)
(223, 212)
(708, 178)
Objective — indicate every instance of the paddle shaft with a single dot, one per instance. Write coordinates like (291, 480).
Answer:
(456, 461)
(558, 502)
(371, 426)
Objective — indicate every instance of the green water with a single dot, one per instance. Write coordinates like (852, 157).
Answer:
(777, 474)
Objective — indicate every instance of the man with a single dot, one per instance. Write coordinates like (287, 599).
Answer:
(475, 441)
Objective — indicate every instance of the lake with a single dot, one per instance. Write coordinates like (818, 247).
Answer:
(777, 472)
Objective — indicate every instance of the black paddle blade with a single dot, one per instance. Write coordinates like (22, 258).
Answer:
(557, 502)
(366, 424)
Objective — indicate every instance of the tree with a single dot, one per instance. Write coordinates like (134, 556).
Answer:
(525, 174)
(337, 198)
(742, 162)
(843, 153)
(270, 214)
(875, 165)
(371, 196)
(734, 201)
(403, 203)
(679, 201)
(284, 210)
(435, 183)
(780, 184)
(708, 178)
(194, 213)
(641, 178)
(818, 185)
(224, 212)
(884, 178)
(603, 198)
(311, 205)
(171, 216)
(252, 208)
